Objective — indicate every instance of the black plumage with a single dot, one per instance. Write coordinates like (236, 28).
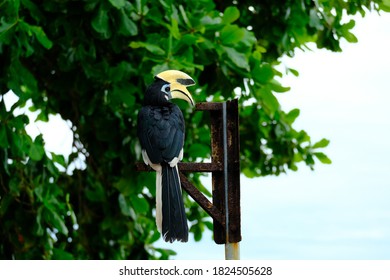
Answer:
(174, 220)
(161, 131)
(161, 134)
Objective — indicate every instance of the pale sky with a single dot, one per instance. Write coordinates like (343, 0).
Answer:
(338, 211)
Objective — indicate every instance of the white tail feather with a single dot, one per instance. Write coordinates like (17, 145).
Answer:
(177, 170)
(159, 200)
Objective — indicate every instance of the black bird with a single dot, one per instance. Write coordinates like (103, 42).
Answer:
(161, 134)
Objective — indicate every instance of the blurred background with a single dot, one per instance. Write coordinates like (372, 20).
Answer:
(91, 64)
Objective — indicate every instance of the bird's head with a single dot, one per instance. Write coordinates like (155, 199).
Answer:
(168, 85)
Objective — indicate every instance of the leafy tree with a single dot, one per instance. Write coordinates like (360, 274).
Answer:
(90, 61)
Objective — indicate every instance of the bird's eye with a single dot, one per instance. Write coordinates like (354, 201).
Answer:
(166, 88)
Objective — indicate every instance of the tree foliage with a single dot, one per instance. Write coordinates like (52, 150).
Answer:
(90, 61)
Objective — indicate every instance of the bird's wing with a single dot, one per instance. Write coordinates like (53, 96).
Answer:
(161, 132)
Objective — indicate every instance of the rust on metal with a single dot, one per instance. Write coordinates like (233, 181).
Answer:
(208, 106)
(217, 178)
(233, 142)
(216, 209)
(187, 167)
(201, 199)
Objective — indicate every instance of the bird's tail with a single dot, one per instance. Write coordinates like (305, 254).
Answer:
(170, 213)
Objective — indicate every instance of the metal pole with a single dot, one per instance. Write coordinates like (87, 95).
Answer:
(232, 250)
(225, 168)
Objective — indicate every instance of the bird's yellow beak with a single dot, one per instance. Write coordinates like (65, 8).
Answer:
(179, 81)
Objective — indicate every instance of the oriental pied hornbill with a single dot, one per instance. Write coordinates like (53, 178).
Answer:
(161, 134)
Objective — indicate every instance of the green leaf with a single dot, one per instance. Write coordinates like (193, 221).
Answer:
(293, 71)
(22, 82)
(346, 33)
(5, 202)
(117, 3)
(292, 115)
(350, 37)
(37, 150)
(120, 72)
(210, 22)
(196, 118)
(349, 25)
(315, 20)
(153, 237)
(277, 87)
(237, 58)
(249, 40)
(165, 253)
(42, 116)
(60, 159)
(59, 254)
(269, 101)
(19, 122)
(121, 95)
(263, 73)
(323, 158)
(39, 231)
(159, 68)
(124, 206)
(174, 29)
(189, 39)
(386, 2)
(385, 5)
(100, 23)
(6, 27)
(52, 168)
(41, 36)
(321, 144)
(15, 186)
(33, 9)
(139, 204)
(150, 47)
(303, 137)
(184, 16)
(231, 34)
(16, 4)
(309, 161)
(230, 14)
(127, 26)
(199, 150)
(3, 136)
(209, 225)
(58, 222)
(293, 167)
(20, 143)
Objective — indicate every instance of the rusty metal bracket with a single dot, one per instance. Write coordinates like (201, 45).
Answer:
(217, 208)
